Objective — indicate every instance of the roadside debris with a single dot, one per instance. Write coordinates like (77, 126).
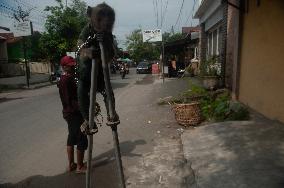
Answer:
(165, 100)
(180, 130)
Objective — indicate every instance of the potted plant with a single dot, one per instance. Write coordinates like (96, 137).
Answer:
(190, 70)
(211, 73)
(187, 107)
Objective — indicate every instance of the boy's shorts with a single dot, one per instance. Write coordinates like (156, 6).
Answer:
(75, 136)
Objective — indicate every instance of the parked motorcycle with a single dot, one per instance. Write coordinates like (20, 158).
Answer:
(180, 73)
(54, 77)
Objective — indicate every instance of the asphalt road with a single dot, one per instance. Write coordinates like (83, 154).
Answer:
(33, 135)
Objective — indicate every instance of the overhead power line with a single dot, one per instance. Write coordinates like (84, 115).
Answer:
(190, 15)
(164, 13)
(161, 14)
(179, 15)
(157, 11)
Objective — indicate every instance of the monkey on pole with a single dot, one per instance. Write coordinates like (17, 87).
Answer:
(96, 46)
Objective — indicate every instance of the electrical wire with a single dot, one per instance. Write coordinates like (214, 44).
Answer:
(161, 6)
(30, 6)
(190, 14)
(164, 13)
(179, 15)
(157, 10)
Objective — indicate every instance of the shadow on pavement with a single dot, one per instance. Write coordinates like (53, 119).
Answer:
(149, 79)
(118, 85)
(104, 173)
(4, 99)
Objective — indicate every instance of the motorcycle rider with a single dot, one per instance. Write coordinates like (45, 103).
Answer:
(122, 70)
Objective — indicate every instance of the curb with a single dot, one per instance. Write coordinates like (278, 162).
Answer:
(4, 88)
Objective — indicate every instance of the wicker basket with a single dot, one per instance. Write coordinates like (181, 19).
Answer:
(188, 114)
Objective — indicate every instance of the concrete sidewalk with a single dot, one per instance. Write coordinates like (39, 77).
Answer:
(241, 154)
(18, 82)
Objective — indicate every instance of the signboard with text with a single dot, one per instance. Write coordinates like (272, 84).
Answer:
(21, 29)
(72, 54)
(152, 35)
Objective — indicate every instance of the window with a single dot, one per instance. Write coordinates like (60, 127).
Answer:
(219, 40)
(214, 41)
(215, 44)
(210, 44)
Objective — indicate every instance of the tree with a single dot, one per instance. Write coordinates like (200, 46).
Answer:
(33, 43)
(63, 27)
(169, 37)
(139, 50)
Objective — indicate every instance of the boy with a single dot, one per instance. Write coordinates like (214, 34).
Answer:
(68, 94)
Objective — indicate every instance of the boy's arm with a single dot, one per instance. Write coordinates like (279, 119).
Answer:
(64, 94)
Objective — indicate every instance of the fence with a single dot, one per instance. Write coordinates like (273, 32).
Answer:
(18, 69)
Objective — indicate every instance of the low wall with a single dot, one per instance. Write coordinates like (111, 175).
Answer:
(18, 69)
(36, 67)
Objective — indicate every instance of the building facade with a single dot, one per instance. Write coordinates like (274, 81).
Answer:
(253, 45)
(212, 16)
(261, 57)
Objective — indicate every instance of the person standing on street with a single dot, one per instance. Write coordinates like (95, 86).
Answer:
(71, 113)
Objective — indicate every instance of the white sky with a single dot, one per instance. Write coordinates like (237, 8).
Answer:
(130, 14)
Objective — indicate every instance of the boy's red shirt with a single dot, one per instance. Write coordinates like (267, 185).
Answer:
(68, 95)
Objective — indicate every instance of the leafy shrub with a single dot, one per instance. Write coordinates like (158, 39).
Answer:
(238, 112)
(220, 108)
(215, 108)
(215, 105)
(194, 91)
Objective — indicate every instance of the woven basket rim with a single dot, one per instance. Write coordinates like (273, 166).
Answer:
(185, 104)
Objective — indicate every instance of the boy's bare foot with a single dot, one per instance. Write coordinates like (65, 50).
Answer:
(81, 170)
(72, 167)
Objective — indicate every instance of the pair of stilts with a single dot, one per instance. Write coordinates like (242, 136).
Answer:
(112, 113)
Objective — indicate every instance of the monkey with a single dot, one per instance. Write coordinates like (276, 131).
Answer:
(101, 23)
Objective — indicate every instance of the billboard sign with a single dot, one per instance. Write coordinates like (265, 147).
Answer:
(21, 29)
(152, 35)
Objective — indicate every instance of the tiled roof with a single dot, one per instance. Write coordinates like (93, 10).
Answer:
(10, 37)
(188, 30)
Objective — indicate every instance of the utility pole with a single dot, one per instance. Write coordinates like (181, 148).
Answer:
(26, 62)
(163, 61)
(21, 17)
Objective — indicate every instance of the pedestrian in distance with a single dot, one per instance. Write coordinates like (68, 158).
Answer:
(71, 113)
